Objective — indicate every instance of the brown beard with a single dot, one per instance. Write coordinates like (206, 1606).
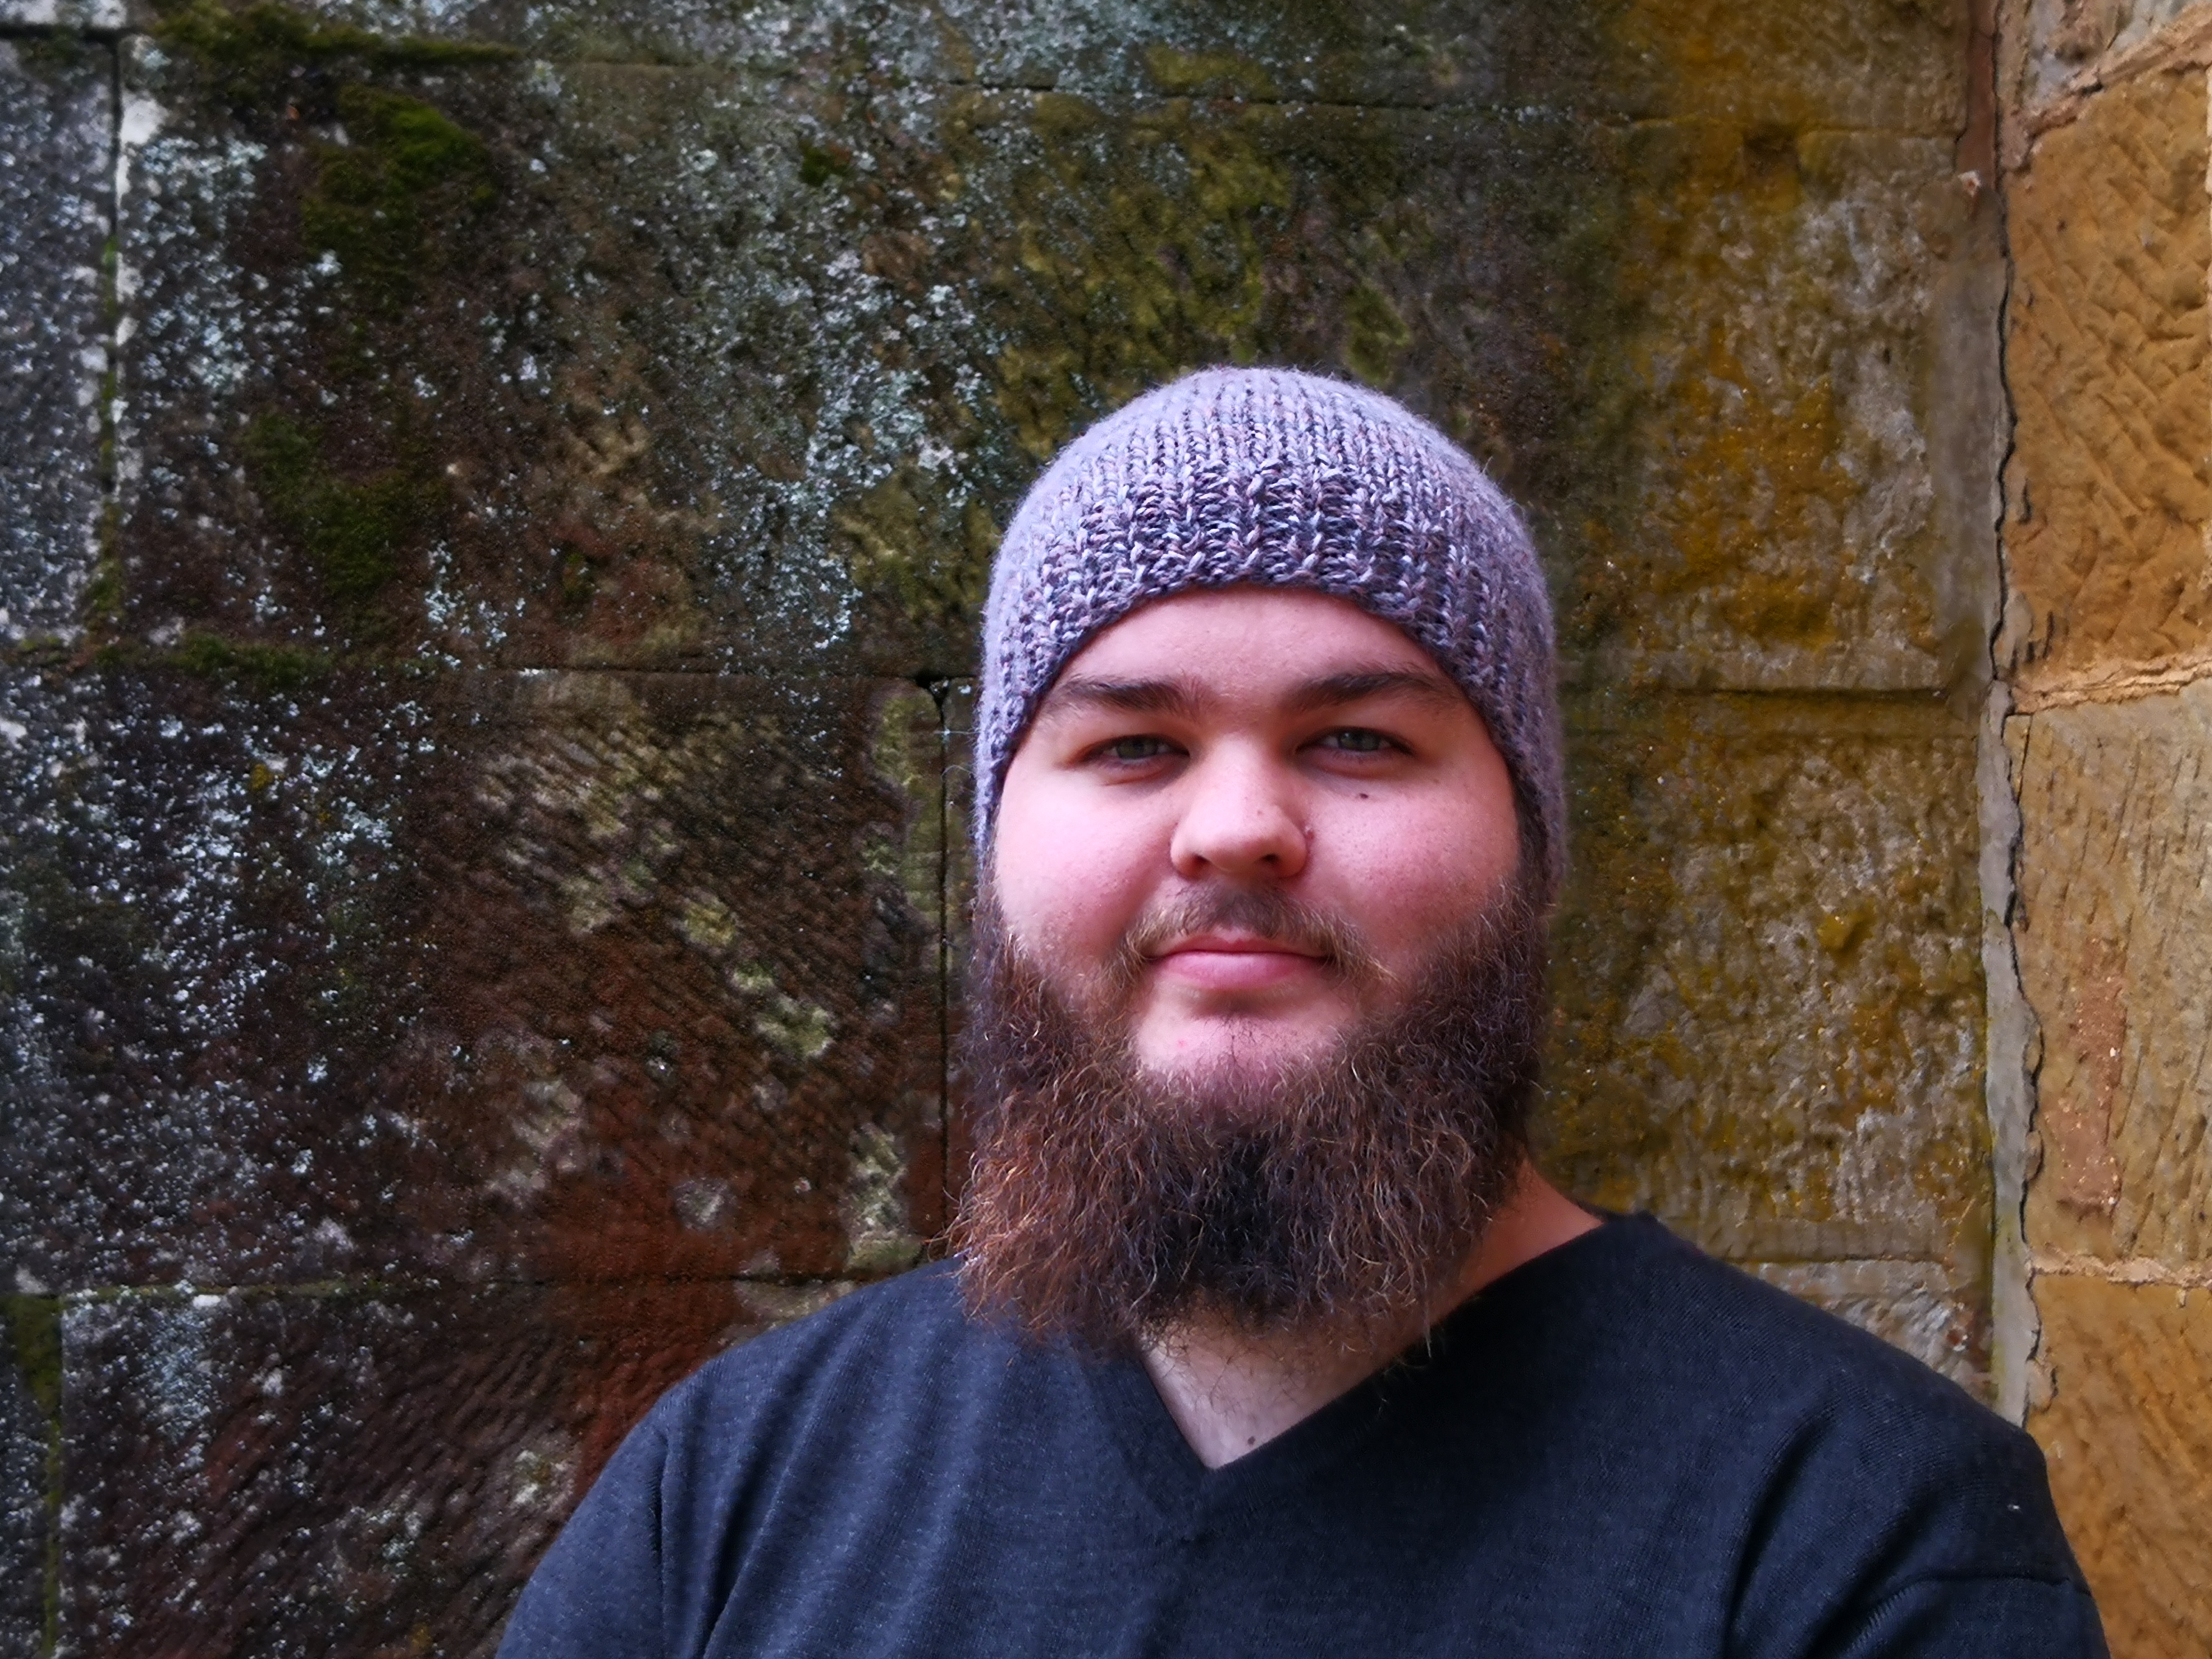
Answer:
(1108, 1205)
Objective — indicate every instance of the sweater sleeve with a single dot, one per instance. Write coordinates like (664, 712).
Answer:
(597, 1594)
(1909, 1528)
(1978, 1618)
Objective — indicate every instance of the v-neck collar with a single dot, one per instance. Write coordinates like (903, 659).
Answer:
(1189, 1497)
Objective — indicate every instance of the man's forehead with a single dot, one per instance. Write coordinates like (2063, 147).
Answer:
(1292, 648)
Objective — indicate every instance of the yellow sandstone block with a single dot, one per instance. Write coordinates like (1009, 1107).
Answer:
(2108, 491)
(2130, 1445)
(1769, 994)
(2114, 935)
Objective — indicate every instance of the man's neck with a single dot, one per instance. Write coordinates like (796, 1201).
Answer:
(1230, 1393)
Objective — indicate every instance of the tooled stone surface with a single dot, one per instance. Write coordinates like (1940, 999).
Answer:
(1893, 68)
(2114, 936)
(365, 1470)
(779, 403)
(2130, 1448)
(570, 977)
(2109, 490)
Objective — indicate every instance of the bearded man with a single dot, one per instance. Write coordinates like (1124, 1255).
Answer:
(1263, 1335)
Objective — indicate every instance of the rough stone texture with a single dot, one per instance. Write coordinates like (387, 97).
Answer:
(2109, 486)
(1894, 66)
(2115, 942)
(363, 1472)
(1787, 522)
(571, 977)
(889, 301)
(2106, 640)
(2130, 1447)
(1770, 985)
(71, 14)
(55, 138)
(778, 406)
(1925, 1308)
(2053, 42)
(30, 1401)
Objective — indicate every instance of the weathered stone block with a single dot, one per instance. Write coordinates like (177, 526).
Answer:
(2129, 1448)
(590, 363)
(351, 1472)
(2109, 488)
(1806, 347)
(1900, 68)
(2114, 937)
(30, 1406)
(574, 975)
(1769, 980)
(64, 14)
(2052, 42)
(1922, 1307)
(689, 367)
(54, 172)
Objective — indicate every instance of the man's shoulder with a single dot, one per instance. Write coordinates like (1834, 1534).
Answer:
(854, 1339)
(1696, 1318)
(1846, 1433)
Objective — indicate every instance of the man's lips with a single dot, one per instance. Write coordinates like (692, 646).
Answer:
(1234, 962)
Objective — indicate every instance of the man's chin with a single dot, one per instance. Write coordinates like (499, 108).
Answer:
(1240, 1050)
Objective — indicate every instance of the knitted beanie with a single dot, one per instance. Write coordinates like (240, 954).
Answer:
(1280, 479)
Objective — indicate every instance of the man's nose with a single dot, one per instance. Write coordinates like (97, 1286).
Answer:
(1240, 818)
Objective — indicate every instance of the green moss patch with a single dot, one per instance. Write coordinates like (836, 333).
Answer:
(1139, 251)
(926, 549)
(1207, 74)
(276, 669)
(819, 163)
(384, 203)
(1375, 335)
(255, 54)
(34, 1332)
(352, 529)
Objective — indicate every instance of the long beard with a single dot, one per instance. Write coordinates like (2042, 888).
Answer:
(1108, 1205)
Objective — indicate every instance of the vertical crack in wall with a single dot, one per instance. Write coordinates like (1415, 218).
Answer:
(2010, 1032)
(2012, 1038)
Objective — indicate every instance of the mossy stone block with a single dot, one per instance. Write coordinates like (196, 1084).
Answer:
(1901, 67)
(1769, 977)
(575, 976)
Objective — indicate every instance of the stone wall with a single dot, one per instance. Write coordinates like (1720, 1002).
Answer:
(496, 499)
(2106, 714)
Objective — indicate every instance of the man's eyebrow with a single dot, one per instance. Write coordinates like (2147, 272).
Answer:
(1335, 689)
(1178, 699)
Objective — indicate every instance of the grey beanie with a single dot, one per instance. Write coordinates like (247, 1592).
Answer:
(1265, 476)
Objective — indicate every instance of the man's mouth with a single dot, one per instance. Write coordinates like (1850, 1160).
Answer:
(1223, 961)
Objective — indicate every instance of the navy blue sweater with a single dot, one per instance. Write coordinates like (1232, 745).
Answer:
(1623, 1448)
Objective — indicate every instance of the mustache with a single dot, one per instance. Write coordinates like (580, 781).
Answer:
(1342, 948)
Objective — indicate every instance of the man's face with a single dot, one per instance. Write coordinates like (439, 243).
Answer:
(1218, 750)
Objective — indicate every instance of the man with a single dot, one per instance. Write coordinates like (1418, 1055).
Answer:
(1264, 1336)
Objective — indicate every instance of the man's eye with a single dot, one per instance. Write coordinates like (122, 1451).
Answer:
(1356, 741)
(1134, 749)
